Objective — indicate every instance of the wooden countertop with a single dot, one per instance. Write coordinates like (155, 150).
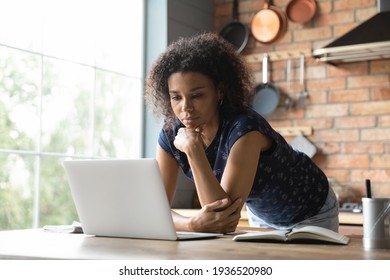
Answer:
(37, 244)
(350, 218)
(346, 218)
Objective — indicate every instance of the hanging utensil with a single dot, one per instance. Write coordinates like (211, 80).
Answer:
(267, 95)
(236, 32)
(288, 101)
(301, 11)
(268, 25)
(303, 94)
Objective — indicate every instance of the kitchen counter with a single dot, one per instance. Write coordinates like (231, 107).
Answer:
(38, 244)
(351, 218)
(350, 223)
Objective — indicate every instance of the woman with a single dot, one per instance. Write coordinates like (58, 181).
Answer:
(204, 90)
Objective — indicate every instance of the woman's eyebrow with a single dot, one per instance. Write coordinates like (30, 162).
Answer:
(173, 91)
(197, 88)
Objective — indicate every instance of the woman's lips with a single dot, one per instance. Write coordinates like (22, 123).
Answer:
(189, 121)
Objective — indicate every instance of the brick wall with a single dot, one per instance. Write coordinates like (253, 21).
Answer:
(348, 106)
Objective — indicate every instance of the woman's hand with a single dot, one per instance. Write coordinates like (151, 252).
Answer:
(218, 216)
(187, 138)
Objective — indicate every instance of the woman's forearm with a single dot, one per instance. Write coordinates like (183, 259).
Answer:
(207, 185)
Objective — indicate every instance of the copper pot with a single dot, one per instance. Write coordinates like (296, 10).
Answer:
(269, 24)
(301, 11)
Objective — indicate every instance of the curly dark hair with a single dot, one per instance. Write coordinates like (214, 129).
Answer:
(209, 55)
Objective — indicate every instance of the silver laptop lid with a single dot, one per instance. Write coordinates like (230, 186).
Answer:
(121, 198)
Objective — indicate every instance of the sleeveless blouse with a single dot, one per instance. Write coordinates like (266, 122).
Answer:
(288, 187)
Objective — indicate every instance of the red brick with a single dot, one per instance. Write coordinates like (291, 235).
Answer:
(348, 70)
(384, 121)
(336, 18)
(380, 66)
(337, 135)
(370, 108)
(292, 46)
(344, 161)
(349, 95)
(313, 34)
(331, 83)
(318, 44)
(339, 30)
(353, 4)
(329, 148)
(380, 161)
(315, 72)
(375, 175)
(355, 122)
(368, 81)
(381, 94)
(329, 110)
(286, 38)
(375, 134)
(315, 123)
(318, 97)
(382, 188)
(365, 14)
(325, 7)
(281, 113)
(364, 148)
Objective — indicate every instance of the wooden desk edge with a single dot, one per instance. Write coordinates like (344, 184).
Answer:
(346, 218)
(350, 223)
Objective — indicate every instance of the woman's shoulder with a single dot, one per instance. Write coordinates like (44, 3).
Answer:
(247, 116)
(249, 120)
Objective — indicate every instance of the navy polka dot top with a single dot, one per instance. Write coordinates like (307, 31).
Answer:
(288, 187)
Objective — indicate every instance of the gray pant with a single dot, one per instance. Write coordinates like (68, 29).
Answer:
(327, 217)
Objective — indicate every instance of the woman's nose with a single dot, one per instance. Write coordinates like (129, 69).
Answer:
(187, 106)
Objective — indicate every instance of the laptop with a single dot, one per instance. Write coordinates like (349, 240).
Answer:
(123, 198)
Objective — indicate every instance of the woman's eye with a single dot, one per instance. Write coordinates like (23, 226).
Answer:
(197, 95)
(175, 97)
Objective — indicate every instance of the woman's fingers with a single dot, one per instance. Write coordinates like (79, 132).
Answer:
(217, 205)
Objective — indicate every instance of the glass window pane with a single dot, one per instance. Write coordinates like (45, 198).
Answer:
(56, 203)
(119, 43)
(66, 107)
(117, 114)
(16, 191)
(71, 81)
(68, 30)
(19, 99)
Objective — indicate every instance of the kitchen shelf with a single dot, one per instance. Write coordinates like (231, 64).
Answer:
(278, 55)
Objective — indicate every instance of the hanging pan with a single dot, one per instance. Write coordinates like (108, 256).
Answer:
(235, 32)
(301, 11)
(267, 95)
(268, 24)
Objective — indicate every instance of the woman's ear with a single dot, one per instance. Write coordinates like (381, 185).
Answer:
(220, 93)
(220, 97)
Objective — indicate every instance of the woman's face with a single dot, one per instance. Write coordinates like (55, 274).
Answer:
(194, 100)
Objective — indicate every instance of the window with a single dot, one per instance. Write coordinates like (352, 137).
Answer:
(71, 80)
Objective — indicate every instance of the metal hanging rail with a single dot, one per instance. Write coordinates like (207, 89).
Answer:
(278, 55)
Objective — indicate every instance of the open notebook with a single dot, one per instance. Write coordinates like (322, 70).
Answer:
(123, 198)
